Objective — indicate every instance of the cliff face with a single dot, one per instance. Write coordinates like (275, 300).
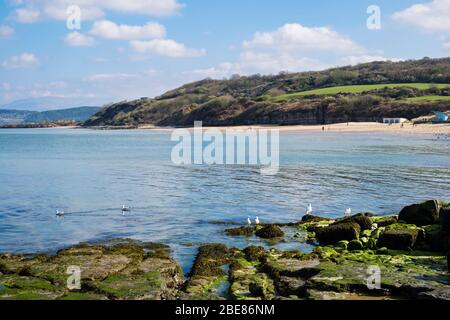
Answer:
(260, 99)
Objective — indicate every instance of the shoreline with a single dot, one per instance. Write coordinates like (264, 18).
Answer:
(363, 127)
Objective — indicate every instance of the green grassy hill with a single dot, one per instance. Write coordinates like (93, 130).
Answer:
(366, 92)
(359, 89)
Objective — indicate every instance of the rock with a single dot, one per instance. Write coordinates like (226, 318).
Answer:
(362, 219)
(355, 245)
(311, 218)
(438, 294)
(337, 232)
(398, 239)
(287, 286)
(445, 219)
(384, 221)
(119, 269)
(436, 238)
(421, 214)
(241, 231)
(254, 253)
(270, 232)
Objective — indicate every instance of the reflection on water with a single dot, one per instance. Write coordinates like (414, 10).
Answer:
(91, 174)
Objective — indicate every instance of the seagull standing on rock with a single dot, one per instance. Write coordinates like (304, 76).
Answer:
(309, 210)
(249, 221)
(348, 212)
(257, 220)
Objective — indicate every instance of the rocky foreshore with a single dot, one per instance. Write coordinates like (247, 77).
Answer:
(364, 256)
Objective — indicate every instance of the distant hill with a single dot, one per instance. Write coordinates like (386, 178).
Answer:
(79, 114)
(295, 98)
(47, 103)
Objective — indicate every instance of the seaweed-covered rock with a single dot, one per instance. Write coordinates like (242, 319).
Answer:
(119, 269)
(240, 231)
(270, 232)
(335, 233)
(288, 286)
(362, 219)
(438, 294)
(355, 245)
(445, 219)
(384, 221)
(400, 239)
(254, 253)
(311, 218)
(421, 214)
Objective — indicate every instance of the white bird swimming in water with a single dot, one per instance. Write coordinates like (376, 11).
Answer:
(249, 221)
(257, 220)
(309, 210)
(60, 213)
(125, 209)
(348, 211)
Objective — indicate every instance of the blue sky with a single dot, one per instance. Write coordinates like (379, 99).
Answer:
(134, 48)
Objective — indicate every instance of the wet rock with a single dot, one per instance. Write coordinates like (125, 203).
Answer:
(335, 233)
(445, 219)
(436, 239)
(208, 269)
(119, 269)
(398, 239)
(240, 231)
(362, 219)
(422, 214)
(270, 232)
(247, 282)
(355, 245)
(291, 264)
(311, 218)
(448, 261)
(385, 221)
(288, 286)
(254, 253)
(439, 294)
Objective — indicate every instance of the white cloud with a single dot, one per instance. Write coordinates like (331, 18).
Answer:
(446, 45)
(24, 60)
(77, 39)
(429, 16)
(297, 37)
(166, 47)
(35, 10)
(110, 30)
(6, 32)
(27, 15)
(353, 60)
(109, 77)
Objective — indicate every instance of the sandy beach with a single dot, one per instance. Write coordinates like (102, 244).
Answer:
(339, 127)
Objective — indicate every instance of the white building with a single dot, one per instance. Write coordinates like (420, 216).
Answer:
(394, 120)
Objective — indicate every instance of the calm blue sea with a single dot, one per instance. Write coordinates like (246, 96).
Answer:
(91, 174)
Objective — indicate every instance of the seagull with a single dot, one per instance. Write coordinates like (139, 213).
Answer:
(257, 220)
(249, 221)
(125, 209)
(60, 213)
(309, 210)
(348, 211)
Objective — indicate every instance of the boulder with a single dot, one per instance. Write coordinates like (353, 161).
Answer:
(385, 221)
(445, 219)
(355, 245)
(270, 232)
(421, 214)
(311, 218)
(240, 231)
(362, 219)
(337, 232)
(399, 239)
